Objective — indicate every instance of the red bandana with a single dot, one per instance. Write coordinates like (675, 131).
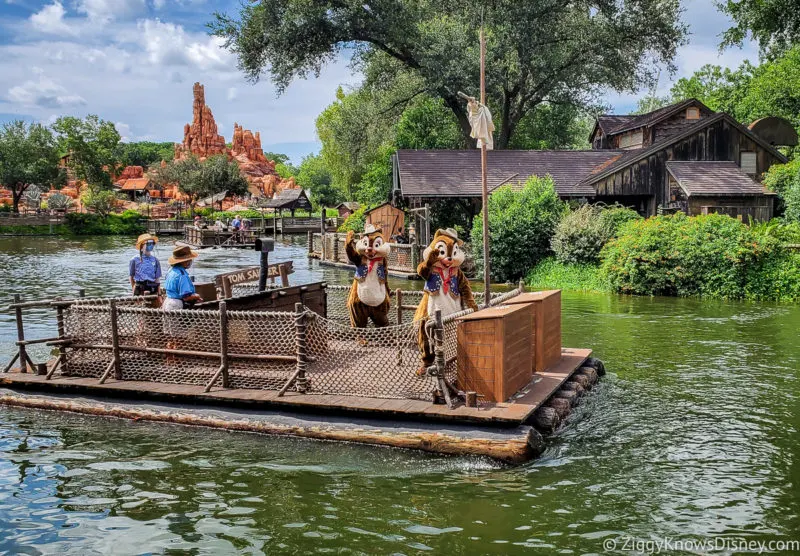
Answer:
(445, 276)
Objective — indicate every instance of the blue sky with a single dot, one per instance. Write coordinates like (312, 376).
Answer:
(134, 62)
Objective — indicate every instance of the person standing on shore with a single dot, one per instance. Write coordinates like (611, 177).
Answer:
(178, 285)
(145, 269)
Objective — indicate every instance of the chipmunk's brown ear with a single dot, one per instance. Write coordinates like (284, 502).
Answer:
(439, 233)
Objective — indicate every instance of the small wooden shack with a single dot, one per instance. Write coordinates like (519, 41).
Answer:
(390, 219)
(347, 208)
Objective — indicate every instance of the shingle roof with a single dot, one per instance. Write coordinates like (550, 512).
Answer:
(707, 178)
(633, 155)
(285, 198)
(450, 173)
(135, 184)
(610, 122)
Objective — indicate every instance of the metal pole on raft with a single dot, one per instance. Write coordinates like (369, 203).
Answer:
(484, 186)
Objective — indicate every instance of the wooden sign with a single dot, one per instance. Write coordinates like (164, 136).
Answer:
(226, 281)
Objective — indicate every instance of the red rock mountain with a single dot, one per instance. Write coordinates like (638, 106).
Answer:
(202, 139)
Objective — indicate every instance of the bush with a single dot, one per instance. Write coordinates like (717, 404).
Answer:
(614, 217)
(784, 179)
(579, 236)
(709, 256)
(355, 221)
(129, 222)
(553, 274)
(521, 225)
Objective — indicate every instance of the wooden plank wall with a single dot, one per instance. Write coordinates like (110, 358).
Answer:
(719, 141)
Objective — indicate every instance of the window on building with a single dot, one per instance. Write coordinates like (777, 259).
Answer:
(748, 163)
(631, 140)
(693, 113)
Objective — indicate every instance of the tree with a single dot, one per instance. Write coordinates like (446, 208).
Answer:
(538, 50)
(220, 174)
(28, 155)
(100, 202)
(92, 147)
(313, 174)
(775, 24)
(197, 179)
(521, 225)
(144, 153)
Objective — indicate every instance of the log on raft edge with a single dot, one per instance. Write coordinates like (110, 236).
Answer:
(526, 444)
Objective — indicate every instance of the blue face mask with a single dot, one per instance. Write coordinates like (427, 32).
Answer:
(149, 246)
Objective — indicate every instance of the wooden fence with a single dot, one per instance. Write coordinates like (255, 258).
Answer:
(330, 248)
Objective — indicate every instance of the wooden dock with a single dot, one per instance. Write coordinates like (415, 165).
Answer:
(511, 413)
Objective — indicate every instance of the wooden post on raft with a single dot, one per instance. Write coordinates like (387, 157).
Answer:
(398, 298)
(301, 347)
(438, 343)
(223, 349)
(24, 358)
(484, 186)
(114, 365)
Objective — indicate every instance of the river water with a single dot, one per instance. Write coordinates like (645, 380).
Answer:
(693, 434)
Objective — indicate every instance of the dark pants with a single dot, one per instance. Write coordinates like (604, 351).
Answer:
(144, 288)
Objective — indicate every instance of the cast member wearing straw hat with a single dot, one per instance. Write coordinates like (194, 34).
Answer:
(144, 268)
(178, 284)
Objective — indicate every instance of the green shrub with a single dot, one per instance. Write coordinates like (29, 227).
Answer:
(521, 225)
(579, 236)
(129, 222)
(553, 274)
(355, 221)
(784, 179)
(709, 256)
(614, 217)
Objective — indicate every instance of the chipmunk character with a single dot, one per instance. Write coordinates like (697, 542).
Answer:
(446, 285)
(369, 296)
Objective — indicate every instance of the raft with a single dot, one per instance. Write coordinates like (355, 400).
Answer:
(304, 373)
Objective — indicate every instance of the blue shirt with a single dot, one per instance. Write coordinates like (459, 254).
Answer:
(145, 268)
(178, 284)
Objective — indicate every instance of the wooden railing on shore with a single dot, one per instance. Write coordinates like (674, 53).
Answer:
(330, 248)
(269, 226)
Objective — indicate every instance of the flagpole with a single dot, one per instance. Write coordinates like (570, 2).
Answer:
(484, 186)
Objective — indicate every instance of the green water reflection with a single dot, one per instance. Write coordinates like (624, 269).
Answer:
(693, 433)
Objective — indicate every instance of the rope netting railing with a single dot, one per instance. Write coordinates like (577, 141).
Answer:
(331, 247)
(303, 351)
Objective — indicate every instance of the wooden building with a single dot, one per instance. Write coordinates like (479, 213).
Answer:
(627, 165)
(347, 208)
(390, 219)
(289, 199)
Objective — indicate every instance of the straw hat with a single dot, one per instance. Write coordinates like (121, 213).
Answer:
(182, 254)
(370, 229)
(451, 233)
(144, 238)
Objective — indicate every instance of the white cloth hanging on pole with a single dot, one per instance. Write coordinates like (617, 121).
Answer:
(480, 120)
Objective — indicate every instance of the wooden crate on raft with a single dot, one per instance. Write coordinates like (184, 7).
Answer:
(545, 307)
(494, 351)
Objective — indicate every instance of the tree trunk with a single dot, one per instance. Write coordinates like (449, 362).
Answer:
(16, 195)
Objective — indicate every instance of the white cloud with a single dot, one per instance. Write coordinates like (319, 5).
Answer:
(44, 93)
(168, 44)
(232, 93)
(50, 19)
(103, 11)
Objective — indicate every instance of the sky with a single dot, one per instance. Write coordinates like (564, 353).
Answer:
(133, 62)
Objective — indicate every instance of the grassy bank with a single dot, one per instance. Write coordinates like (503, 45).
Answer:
(550, 274)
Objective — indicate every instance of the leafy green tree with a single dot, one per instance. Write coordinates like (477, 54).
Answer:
(775, 24)
(313, 174)
(144, 153)
(220, 174)
(28, 155)
(100, 202)
(521, 225)
(277, 158)
(537, 51)
(92, 147)
(197, 179)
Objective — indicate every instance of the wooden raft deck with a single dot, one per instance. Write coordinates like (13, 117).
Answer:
(511, 413)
